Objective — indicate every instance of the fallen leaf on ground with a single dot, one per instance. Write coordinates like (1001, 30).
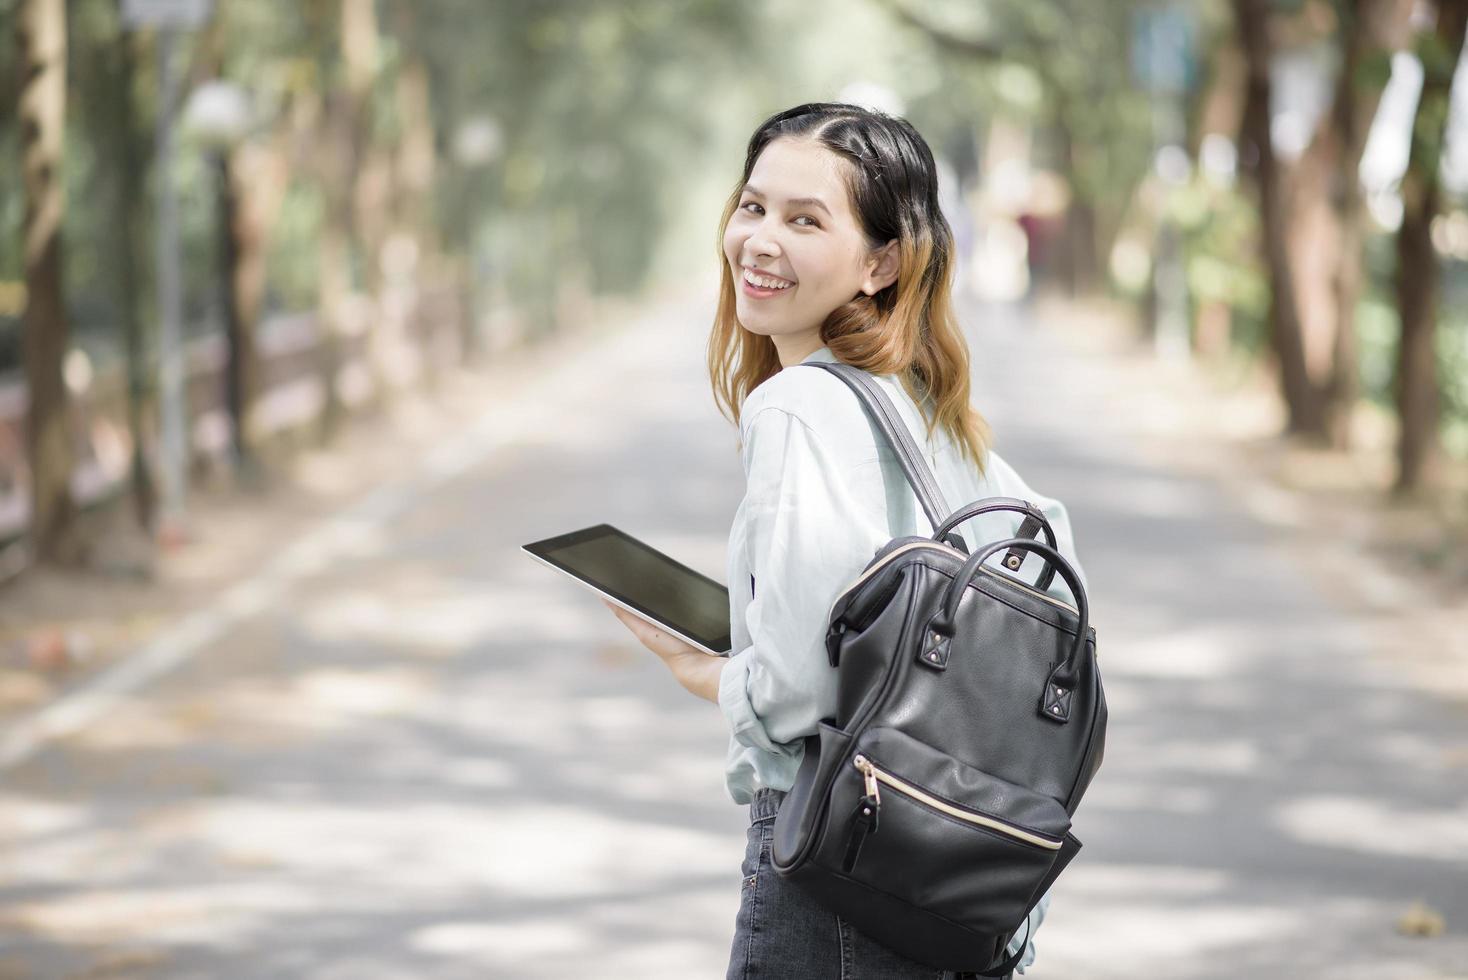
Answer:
(1421, 920)
(48, 650)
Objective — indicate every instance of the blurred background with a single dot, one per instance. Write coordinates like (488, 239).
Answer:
(291, 291)
(316, 204)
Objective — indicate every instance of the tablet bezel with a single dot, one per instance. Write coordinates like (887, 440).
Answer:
(538, 549)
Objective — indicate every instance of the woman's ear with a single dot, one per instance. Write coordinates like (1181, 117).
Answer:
(881, 270)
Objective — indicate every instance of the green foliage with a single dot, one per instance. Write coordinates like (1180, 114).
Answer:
(1373, 72)
(1220, 228)
(1378, 331)
(290, 261)
(1452, 353)
(622, 127)
(600, 111)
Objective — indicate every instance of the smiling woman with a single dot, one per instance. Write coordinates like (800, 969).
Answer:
(834, 238)
(832, 247)
(786, 244)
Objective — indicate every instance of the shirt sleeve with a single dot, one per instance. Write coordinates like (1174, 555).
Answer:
(807, 538)
(1026, 933)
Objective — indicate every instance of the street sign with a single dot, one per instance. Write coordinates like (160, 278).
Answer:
(1162, 49)
(177, 14)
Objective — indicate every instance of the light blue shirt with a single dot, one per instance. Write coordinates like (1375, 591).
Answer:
(824, 491)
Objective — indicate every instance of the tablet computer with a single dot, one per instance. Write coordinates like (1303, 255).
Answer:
(642, 580)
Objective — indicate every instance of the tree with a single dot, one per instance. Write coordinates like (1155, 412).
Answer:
(105, 87)
(1417, 384)
(1302, 401)
(41, 41)
(1325, 216)
(259, 52)
(346, 36)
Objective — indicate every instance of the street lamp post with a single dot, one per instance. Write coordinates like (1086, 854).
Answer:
(218, 116)
(168, 18)
(477, 144)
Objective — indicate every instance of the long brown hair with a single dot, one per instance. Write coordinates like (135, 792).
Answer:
(907, 329)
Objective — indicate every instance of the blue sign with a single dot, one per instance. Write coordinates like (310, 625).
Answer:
(1163, 58)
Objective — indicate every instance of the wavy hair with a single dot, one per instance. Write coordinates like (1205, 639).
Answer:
(907, 329)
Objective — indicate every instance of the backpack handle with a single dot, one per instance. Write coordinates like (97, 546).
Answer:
(1055, 700)
(1034, 521)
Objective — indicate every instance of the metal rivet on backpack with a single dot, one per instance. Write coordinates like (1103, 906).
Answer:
(933, 655)
(1012, 562)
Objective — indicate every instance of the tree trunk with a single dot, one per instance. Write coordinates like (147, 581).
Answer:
(1417, 390)
(41, 40)
(241, 365)
(254, 185)
(1327, 211)
(1302, 400)
(414, 165)
(1079, 268)
(115, 117)
(333, 278)
(341, 162)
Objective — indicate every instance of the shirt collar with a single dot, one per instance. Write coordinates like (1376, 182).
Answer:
(820, 354)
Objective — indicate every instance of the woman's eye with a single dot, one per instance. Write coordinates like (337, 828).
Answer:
(754, 204)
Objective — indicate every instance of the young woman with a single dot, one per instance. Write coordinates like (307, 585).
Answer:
(833, 249)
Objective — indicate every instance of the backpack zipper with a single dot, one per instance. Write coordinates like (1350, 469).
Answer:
(872, 775)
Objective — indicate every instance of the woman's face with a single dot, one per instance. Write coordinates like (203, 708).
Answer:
(794, 225)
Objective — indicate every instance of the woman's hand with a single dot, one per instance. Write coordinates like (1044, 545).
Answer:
(695, 670)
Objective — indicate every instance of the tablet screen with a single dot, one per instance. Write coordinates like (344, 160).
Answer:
(687, 602)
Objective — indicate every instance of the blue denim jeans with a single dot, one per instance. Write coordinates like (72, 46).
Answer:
(780, 932)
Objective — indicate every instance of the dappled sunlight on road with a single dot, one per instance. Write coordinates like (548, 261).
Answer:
(435, 624)
(433, 798)
(1200, 652)
(1150, 495)
(1372, 826)
(31, 817)
(210, 914)
(1160, 912)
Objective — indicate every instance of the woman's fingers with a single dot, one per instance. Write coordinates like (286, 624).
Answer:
(660, 643)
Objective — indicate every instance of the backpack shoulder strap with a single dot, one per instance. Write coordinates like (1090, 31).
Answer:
(880, 408)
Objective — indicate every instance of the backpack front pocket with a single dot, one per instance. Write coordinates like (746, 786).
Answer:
(912, 821)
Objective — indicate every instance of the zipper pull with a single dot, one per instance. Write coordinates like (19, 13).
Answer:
(869, 774)
(864, 819)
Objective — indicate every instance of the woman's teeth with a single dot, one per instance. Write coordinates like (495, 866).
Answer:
(762, 282)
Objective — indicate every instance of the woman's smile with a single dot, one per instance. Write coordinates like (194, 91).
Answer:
(759, 286)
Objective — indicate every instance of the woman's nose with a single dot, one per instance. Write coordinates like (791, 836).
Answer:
(760, 242)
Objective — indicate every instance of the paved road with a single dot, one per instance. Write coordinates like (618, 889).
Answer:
(426, 756)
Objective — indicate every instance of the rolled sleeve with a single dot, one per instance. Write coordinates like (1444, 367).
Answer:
(734, 702)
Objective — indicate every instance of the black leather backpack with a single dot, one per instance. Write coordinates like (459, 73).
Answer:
(934, 811)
